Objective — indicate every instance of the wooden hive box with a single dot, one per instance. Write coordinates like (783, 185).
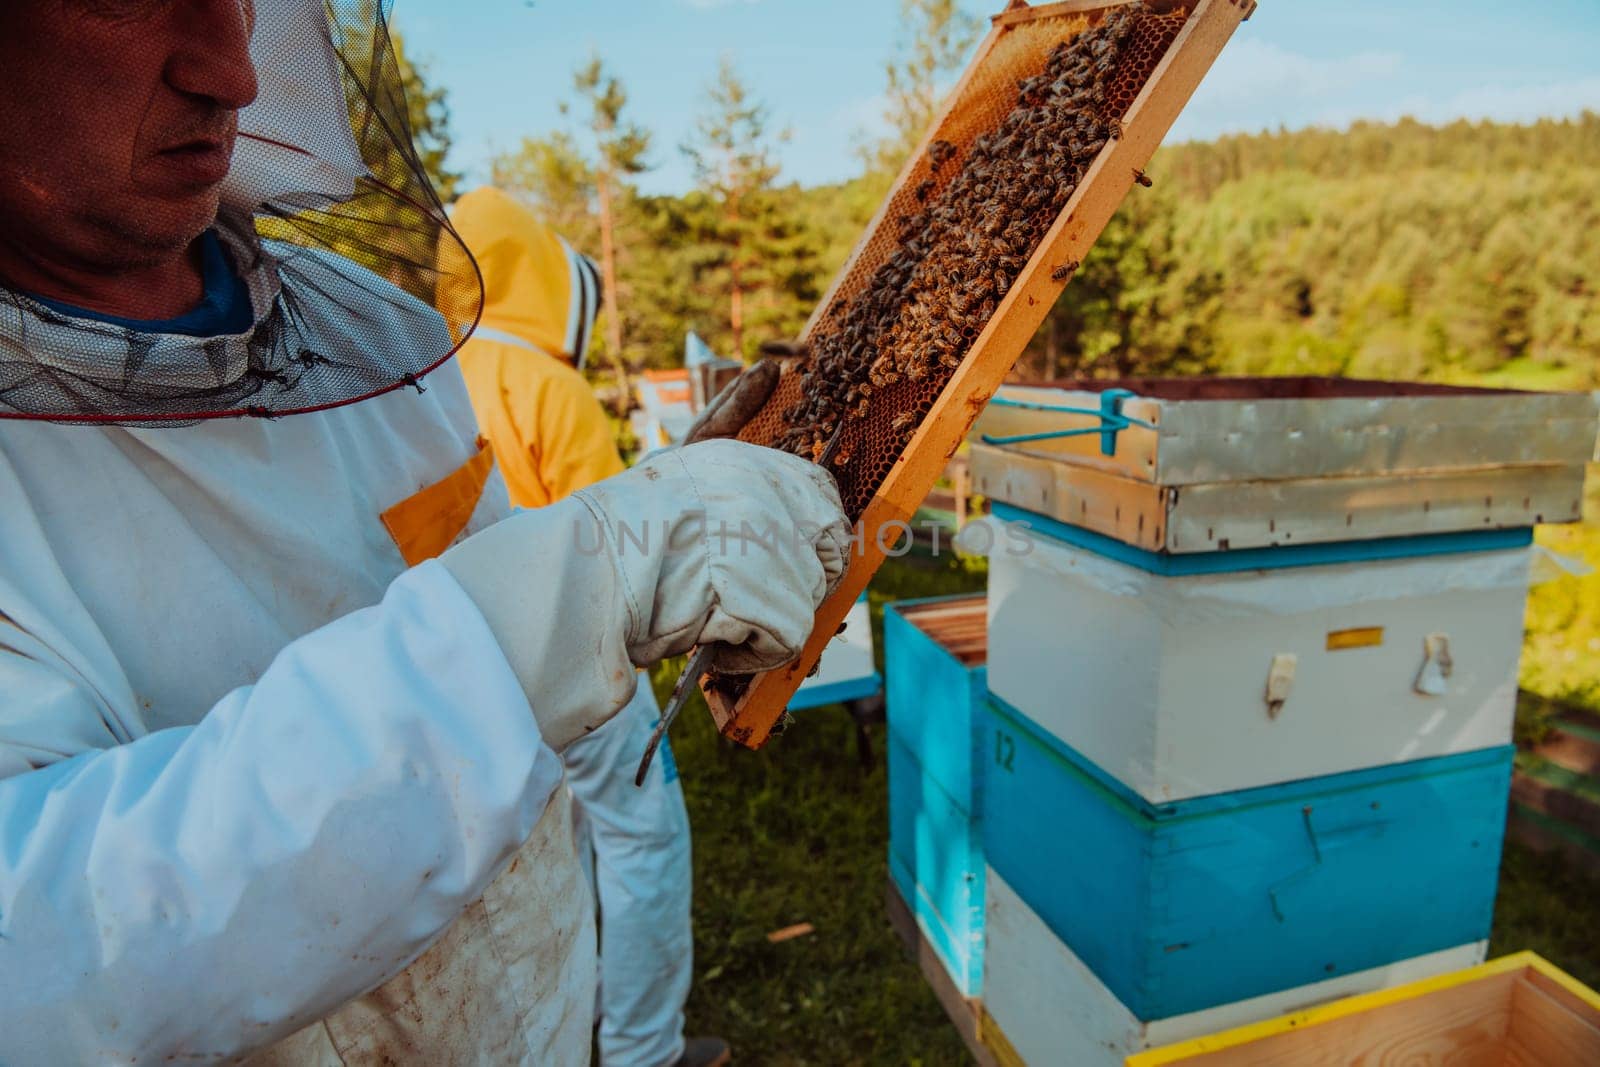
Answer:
(1514, 1012)
(934, 658)
(888, 459)
(1224, 464)
(936, 653)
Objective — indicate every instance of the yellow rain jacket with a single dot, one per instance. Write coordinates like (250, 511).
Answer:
(548, 431)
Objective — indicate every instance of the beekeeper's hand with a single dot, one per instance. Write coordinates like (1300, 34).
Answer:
(719, 543)
(744, 397)
(730, 410)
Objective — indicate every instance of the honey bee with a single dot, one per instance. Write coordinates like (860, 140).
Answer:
(1143, 179)
(1065, 271)
(902, 420)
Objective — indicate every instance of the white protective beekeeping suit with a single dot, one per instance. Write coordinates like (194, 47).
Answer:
(637, 838)
(153, 585)
(162, 592)
(265, 792)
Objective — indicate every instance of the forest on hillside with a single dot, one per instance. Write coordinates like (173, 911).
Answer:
(1460, 253)
(1463, 252)
(1395, 251)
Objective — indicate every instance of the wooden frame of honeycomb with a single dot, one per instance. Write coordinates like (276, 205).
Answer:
(914, 341)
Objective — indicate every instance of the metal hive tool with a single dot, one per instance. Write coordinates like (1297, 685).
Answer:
(1047, 131)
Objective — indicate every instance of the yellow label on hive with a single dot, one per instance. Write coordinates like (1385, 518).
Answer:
(1363, 637)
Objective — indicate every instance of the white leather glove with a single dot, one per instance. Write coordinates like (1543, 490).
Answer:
(720, 543)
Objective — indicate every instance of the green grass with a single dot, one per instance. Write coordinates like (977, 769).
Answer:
(798, 833)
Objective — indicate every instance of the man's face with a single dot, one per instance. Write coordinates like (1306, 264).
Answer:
(118, 124)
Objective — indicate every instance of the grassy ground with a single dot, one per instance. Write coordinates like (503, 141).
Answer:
(1546, 906)
(798, 833)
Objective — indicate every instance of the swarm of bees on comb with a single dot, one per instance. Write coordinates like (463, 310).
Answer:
(876, 363)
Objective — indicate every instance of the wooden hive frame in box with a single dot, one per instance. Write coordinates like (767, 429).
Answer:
(890, 473)
(1518, 1011)
(960, 627)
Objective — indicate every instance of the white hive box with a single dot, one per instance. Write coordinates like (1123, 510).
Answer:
(1042, 1006)
(1162, 680)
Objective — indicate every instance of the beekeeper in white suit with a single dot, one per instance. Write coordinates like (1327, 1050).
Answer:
(267, 793)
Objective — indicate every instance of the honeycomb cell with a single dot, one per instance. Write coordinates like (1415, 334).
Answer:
(958, 232)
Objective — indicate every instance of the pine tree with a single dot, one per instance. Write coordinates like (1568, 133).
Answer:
(620, 148)
(553, 178)
(428, 111)
(938, 35)
(757, 252)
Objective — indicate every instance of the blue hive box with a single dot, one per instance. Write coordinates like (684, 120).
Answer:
(934, 652)
(1188, 905)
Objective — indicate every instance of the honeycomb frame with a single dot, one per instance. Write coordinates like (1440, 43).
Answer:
(904, 458)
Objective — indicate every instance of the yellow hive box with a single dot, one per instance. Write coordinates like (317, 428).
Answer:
(1513, 1012)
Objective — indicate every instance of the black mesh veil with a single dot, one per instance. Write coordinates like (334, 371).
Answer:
(329, 217)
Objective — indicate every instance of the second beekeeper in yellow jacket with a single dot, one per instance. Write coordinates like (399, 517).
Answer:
(551, 438)
(523, 363)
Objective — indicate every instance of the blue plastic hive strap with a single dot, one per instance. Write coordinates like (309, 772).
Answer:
(1112, 421)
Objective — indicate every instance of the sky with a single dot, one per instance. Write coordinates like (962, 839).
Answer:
(819, 67)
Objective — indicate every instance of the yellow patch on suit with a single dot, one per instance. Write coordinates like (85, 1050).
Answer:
(426, 523)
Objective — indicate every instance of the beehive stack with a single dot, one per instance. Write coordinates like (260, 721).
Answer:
(1259, 760)
(1039, 143)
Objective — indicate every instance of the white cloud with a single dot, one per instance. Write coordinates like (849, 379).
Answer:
(823, 148)
(1252, 69)
(1257, 85)
(866, 118)
(826, 149)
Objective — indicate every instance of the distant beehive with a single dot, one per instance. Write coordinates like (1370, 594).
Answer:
(1045, 134)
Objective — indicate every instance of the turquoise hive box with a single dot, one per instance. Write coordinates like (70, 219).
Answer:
(935, 679)
(1187, 905)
